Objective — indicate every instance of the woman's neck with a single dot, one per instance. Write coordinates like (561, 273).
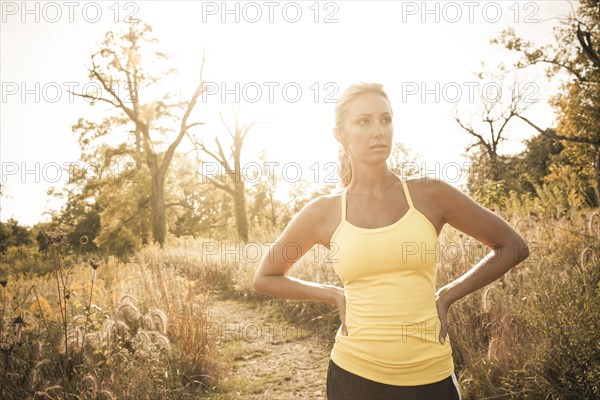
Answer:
(372, 180)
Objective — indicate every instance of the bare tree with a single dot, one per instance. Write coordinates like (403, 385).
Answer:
(232, 179)
(495, 116)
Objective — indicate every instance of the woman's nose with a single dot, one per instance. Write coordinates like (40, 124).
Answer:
(378, 130)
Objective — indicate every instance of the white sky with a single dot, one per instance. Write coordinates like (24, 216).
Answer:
(398, 44)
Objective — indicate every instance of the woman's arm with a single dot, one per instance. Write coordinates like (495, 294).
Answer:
(297, 238)
(468, 216)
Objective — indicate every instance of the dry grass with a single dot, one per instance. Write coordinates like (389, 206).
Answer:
(531, 335)
(142, 337)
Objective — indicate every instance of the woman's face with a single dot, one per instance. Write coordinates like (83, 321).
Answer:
(368, 128)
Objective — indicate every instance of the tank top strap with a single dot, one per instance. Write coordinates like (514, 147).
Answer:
(407, 193)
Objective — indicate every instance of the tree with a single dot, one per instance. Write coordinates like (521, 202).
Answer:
(533, 165)
(491, 130)
(149, 129)
(202, 210)
(231, 179)
(264, 207)
(402, 162)
(575, 51)
(300, 193)
(13, 235)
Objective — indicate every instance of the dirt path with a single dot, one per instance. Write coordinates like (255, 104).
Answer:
(266, 357)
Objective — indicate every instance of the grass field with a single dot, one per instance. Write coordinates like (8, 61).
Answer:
(149, 329)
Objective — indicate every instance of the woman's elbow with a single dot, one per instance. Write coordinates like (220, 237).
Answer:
(522, 251)
(261, 283)
(258, 284)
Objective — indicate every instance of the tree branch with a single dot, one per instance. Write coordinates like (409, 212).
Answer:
(187, 127)
(179, 204)
(184, 126)
(585, 41)
(551, 133)
(87, 96)
(223, 157)
(478, 136)
(130, 113)
(221, 186)
(141, 206)
(559, 64)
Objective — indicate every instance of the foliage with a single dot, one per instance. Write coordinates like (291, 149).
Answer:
(14, 235)
(132, 146)
(574, 52)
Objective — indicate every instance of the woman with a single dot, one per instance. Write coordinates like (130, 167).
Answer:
(392, 342)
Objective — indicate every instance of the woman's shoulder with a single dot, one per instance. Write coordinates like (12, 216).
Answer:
(335, 194)
(322, 205)
(326, 202)
(427, 184)
(429, 191)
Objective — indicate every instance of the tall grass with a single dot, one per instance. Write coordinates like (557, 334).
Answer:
(126, 331)
(533, 334)
(139, 331)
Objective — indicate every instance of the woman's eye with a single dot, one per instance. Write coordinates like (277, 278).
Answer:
(363, 121)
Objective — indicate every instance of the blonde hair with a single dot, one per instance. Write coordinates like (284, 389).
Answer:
(341, 111)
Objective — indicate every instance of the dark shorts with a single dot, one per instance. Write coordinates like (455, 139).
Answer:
(344, 385)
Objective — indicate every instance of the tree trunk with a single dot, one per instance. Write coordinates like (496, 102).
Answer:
(158, 210)
(597, 170)
(495, 167)
(144, 230)
(273, 215)
(241, 218)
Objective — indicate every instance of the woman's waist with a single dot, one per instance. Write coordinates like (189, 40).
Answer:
(391, 312)
(394, 326)
(389, 296)
(411, 363)
(400, 348)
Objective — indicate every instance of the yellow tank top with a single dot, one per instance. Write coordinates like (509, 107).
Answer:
(389, 277)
